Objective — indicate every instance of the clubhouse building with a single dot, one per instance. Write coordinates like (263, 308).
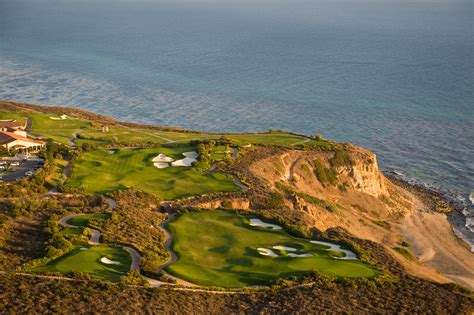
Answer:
(13, 136)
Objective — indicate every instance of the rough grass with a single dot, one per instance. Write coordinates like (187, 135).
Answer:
(88, 261)
(101, 172)
(219, 248)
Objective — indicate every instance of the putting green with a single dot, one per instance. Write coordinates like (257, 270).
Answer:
(88, 261)
(99, 172)
(220, 248)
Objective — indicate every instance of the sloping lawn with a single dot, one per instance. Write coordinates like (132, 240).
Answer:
(220, 248)
(100, 172)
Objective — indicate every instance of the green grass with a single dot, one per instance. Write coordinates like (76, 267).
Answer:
(270, 138)
(219, 153)
(126, 136)
(273, 138)
(42, 125)
(101, 172)
(82, 220)
(88, 261)
(72, 231)
(218, 248)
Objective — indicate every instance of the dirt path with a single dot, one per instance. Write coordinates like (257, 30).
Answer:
(174, 257)
(95, 234)
(28, 124)
(302, 142)
(292, 168)
(156, 136)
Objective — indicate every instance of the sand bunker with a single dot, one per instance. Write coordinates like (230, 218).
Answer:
(190, 157)
(107, 261)
(162, 158)
(266, 252)
(288, 249)
(62, 117)
(161, 165)
(258, 222)
(337, 248)
(111, 152)
(299, 255)
(82, 248)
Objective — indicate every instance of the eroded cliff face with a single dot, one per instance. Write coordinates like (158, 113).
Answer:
(364, 175)
(337, 189)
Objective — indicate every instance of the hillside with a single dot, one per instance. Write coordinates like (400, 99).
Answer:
(298, 216)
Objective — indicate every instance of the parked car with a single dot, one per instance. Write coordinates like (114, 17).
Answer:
(29, 173)
(15, 164)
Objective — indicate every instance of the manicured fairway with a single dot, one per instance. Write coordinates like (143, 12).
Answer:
(219, 248)
(100, 172)
(127, 136)
(82, 220)
(88, 261)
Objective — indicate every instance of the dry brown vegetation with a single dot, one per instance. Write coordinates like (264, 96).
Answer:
(134, 222)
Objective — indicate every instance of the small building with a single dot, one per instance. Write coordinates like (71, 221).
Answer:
(11, 140)
(13, 126)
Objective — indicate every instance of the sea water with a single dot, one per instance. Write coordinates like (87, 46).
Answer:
(395, 76)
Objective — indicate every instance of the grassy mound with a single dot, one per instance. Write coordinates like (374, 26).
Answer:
(88, 261)
(220, 248)
(100, 172)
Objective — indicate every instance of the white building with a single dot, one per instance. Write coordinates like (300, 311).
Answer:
(13, 136)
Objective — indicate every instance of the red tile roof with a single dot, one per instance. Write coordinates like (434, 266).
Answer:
(7, 137)
(10, 124)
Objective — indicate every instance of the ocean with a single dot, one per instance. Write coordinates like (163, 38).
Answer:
(394, 76)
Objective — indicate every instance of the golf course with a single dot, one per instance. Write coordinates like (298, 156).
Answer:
(242, 251)
(105, 262)
(102, 171)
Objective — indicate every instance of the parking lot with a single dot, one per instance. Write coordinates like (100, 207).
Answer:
(16, 173)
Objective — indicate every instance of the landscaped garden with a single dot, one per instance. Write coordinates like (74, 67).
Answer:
(102, 171)
(225, 249)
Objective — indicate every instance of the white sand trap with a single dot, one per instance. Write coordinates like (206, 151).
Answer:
(111, 152)
(300, 255)
(266, 252)
(288, 249)
(161, 165)
(337, 248)
(258, 222)
(62, 117)
(163, 158)
(190, 157)
(107, 261)
(82, 248)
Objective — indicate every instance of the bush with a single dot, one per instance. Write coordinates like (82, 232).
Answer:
(324, 175)
(341, 158)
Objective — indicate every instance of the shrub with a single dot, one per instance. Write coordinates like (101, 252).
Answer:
(324, 175)
(341, 158)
